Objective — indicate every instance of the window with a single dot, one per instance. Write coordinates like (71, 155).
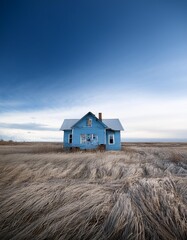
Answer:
(94, 138)
(70, 138)
(83, 138)
(111, 139)
(89, 139)
(89, 122)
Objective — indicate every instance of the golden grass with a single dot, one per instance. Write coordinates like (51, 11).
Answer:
(138, 193)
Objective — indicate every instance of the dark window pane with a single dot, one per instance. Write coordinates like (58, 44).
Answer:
(70, 138)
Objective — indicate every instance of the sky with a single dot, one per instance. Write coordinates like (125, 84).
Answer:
(61, 59)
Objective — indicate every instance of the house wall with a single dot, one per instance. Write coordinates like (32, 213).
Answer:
(66, 137)
(117, 140)
(97, 128)
(81, 127)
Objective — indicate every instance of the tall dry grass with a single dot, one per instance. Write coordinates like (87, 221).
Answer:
(138, 193)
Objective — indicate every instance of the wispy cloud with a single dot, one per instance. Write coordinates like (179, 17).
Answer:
(27, 126)
(143, 116)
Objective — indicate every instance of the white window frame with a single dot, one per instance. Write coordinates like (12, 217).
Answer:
(96, 137)
(92, 135)
(109, 139)
(89, 120)
(69, 138)
(81, 142)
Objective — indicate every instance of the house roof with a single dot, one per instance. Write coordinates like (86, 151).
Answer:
(113, 124)
(68, 123)
(89, 113)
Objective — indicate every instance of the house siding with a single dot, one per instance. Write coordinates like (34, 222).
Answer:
(117, 140)
(81, 128)
(66, 137)
(89, 132)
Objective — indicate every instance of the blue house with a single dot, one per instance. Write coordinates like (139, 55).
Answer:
(91, 132)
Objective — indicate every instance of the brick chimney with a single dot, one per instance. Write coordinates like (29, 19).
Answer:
(100, 116)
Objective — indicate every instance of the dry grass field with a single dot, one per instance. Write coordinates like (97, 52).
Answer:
(137, 193)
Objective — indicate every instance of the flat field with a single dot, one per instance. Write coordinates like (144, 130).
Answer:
(134, 194)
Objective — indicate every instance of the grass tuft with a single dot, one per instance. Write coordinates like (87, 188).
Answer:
(138, 193)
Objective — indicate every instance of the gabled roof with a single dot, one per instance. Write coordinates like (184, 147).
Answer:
(113, 124)
(68, 123)
(90, 113)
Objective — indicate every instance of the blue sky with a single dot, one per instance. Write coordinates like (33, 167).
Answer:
(61, 59)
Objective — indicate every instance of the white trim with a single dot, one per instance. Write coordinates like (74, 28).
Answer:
(81, 142)
(96, 137)
(92, 135)
(109, 139)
